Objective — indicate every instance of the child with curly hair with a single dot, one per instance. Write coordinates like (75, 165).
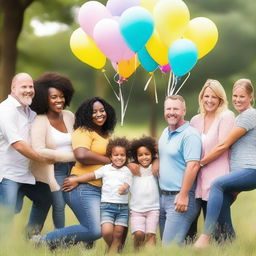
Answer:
(116, 179)
(144, 204)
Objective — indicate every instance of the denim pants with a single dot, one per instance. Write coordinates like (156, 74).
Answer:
(84, 201)
(224, 228)
(175, 225)
(222, 188)
(11, 197)
(61, 171)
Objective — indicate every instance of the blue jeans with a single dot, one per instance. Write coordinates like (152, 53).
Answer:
(222, 188)
(117, 214)
(84, 201)
(11, 197)
(224, 228)
(61, 171)
(175, 225)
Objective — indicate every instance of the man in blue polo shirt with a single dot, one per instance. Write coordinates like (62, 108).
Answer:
(179, 155)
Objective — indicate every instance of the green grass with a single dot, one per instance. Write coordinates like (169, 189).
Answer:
(243, 211)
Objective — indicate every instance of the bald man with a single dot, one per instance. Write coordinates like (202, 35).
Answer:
(16, 180)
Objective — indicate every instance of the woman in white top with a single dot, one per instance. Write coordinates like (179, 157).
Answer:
(144, 202)
(51, 136)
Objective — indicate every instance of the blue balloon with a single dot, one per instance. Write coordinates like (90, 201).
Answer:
(182, 56)
(146, 60)
(136, 27)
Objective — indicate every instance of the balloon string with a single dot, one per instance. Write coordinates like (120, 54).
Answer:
(169, 83)
(156, 98)
(122, 104)
(174, 83)
(146, 86)
(183, 83)
(129, 95)
(111, 84)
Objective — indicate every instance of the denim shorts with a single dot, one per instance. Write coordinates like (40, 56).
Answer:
(117, 214)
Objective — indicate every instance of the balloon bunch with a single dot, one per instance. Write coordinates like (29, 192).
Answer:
(153, 33)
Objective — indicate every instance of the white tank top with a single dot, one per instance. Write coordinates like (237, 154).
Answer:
(62, 140)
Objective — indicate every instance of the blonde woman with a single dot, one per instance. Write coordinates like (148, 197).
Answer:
(214, 122)
(242, 140)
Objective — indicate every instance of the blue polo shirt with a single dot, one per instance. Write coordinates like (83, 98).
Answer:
(175, 149)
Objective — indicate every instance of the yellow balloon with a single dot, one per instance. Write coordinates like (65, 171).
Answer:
(84, 48)
(148, 4)
(204, 33)
(171, 19)
(126, 68)
(157, 49)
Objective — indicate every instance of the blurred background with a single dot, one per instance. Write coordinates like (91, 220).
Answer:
(34, 38)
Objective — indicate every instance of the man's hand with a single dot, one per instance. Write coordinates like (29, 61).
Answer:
(69, 184)
(155, 168)
(181, 203)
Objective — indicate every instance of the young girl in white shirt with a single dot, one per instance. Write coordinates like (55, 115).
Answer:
(116, 179)
(144, 203)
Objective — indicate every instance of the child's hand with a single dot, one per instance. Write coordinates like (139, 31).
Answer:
(134, 168)
(122, 190)
(69, 184)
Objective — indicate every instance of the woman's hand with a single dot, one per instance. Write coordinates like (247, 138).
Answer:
(69, 184)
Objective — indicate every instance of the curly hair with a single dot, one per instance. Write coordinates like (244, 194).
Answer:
(84, 116)
(118, 142)
(46, 81)
(147, 142)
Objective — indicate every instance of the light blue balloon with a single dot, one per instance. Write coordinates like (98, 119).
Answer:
(136, 27)
(182, 56)
(146, 60)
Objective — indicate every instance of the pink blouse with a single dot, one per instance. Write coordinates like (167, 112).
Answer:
(219, 129)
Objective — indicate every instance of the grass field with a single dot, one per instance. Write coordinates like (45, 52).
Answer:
(243, 212)
(13, 243)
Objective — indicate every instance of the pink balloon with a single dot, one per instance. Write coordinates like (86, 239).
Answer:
(108, 38)
(117, 7)
(90, 13)
(166, 68)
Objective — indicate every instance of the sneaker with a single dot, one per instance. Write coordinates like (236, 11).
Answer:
(37, 240)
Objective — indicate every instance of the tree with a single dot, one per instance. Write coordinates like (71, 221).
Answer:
(11, 24)
(12, 13)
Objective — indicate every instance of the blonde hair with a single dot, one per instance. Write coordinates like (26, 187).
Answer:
(176, 97)
(245, 84)
(218, 89)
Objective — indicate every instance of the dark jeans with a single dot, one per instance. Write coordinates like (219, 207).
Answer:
(61, 171)
(12, 194)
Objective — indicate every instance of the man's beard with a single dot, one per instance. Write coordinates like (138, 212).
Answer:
(25, 100)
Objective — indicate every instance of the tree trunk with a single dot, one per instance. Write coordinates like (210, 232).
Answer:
(12, 21)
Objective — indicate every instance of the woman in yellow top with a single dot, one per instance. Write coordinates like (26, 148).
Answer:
(95, 120)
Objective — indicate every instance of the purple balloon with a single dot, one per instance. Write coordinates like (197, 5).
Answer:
(166, 68)
(117, 7)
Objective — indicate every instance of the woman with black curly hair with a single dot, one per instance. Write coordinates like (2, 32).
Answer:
(95, 120)
(51, 136)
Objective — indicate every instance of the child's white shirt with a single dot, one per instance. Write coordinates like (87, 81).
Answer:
(112, 179)
(144, 191)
